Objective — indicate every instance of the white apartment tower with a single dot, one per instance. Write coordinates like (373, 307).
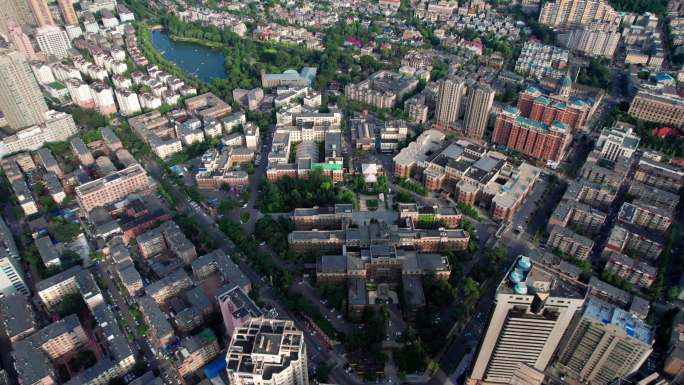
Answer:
(53, 41)
(533, 308)
(267, 352)
(480, 100)
(20, 100)
(449, 101)
(607, 343)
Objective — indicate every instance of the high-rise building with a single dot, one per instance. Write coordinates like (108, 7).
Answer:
(480, 100)
(20, 41)
(533, 307)
(596, 39)
(607, 343)
(20, 100)
(11, 274)
(17, 11)
(68, 14)
(568, 13)
(449, 101)
(267, 352)
(53, 40)
(41, 12)
(236, 307)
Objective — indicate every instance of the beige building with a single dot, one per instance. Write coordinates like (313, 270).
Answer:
(534, 306)
(449, 101)
(20, 100)
(659, 108)
(267, 352)
(195, 352)
(382, 89)
(478, 106)
(596, 39)
(570, 243)
(112, 188)
(567, 13)
(68, 14)
(41, 12)
(606, 343)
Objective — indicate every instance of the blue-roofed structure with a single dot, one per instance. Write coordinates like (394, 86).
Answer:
(215, 367)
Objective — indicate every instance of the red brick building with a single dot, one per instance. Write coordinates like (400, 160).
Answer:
(530, 137)
(572, 112)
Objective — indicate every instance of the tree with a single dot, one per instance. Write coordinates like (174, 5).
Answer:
(71, 304)
(62, 230)
(83, 359)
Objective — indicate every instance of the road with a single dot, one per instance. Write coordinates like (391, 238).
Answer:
(140, 343)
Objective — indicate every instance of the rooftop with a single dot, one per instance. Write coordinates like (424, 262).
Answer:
(608, 314)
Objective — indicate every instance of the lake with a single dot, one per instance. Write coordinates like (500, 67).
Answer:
(194, 59)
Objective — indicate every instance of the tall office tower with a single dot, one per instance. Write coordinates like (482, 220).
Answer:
(20, 100)
(480, 100)
(449, 102)
(11, 275)
(267, 352)
(606, 344)
(20, 41)
(53, 40)
(41, 12)
(66, 7)
(533, 307)
(17, 11)
(573, 13)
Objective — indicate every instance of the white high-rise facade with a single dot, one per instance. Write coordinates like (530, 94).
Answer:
(267, 352)
(11, 274)
(53, 41)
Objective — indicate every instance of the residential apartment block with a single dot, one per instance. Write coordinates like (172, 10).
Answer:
(636, 272)
(572, 13)
(664, 176)
(236, 307)
(532, 138)
(642, 214)
(113, 187)
(195, 352)
(577, 215)
(570, 243)
(383, 89)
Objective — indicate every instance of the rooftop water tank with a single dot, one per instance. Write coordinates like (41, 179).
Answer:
(520, 288)
(516, 276)
(524, 263)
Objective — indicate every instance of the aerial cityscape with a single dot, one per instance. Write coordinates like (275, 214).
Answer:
(347, 192)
